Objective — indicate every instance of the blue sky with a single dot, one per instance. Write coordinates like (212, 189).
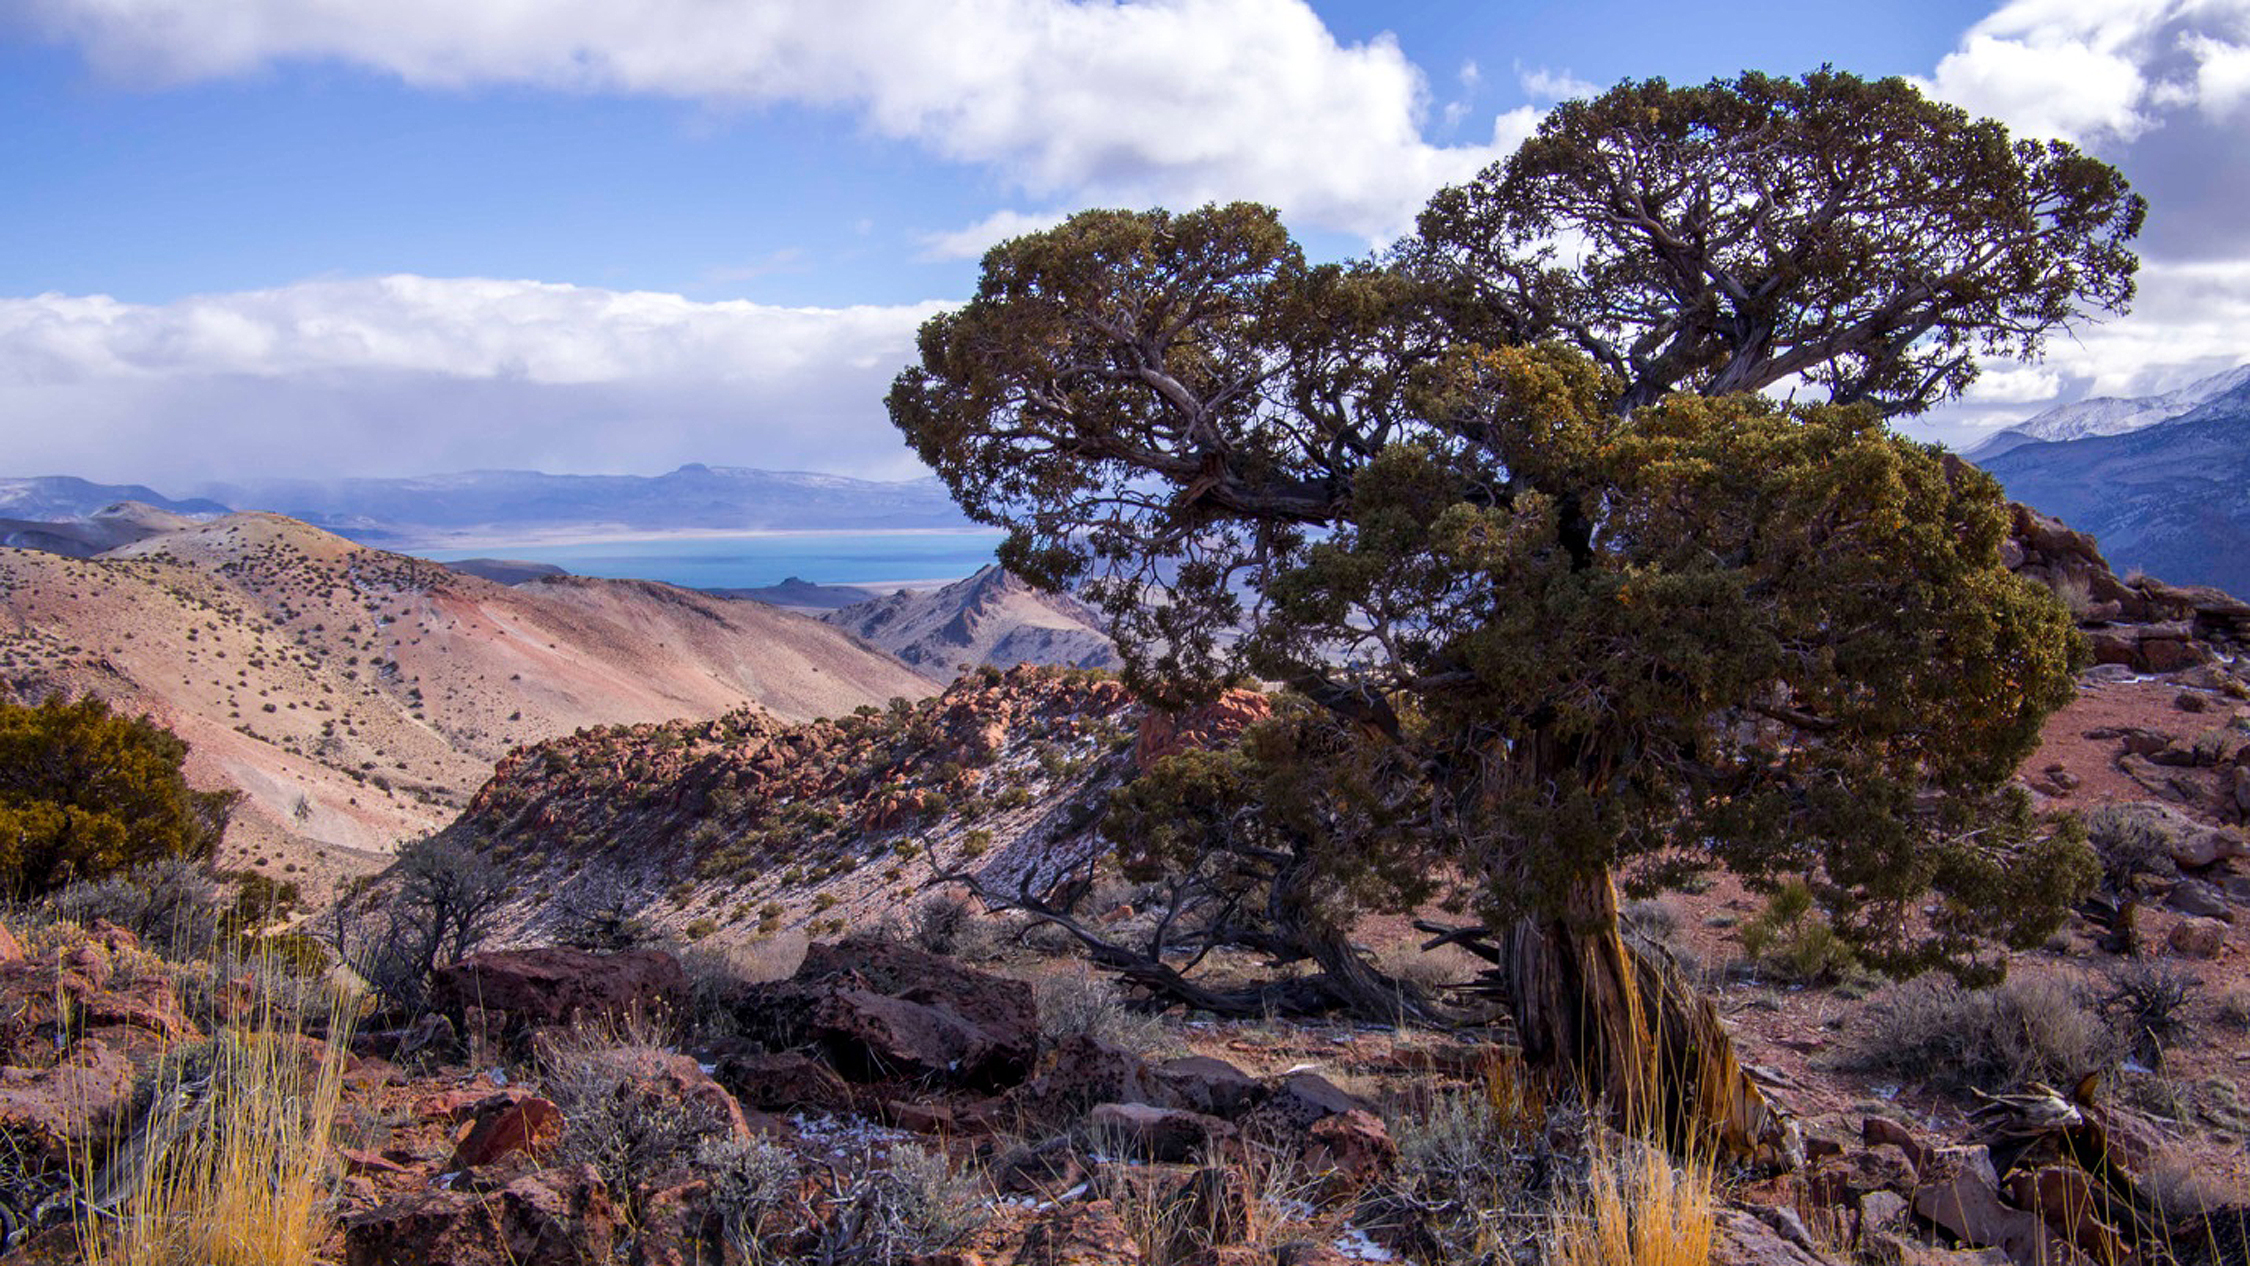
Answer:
(340, 236)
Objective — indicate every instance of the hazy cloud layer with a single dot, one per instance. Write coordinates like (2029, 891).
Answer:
(399, 375)
(2162, 89)
(1169, 101)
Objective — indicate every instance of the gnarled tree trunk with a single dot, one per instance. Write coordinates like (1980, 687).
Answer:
(1633, 1030)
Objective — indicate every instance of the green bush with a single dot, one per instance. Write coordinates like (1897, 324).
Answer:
(86, 793)
(1791, 940)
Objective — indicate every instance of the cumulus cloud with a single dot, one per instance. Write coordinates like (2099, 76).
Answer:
(403, 374)
(2096, 71)
(973, 240)
(1542, 84)
(1171, 101)
(2187, 324)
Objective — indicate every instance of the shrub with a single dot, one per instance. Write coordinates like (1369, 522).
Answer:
(1790, 940)
(1936, 1032)
(170, 905)
(752, 1180)
(2146, 1006)
(2130, 840)
(627, 1133)
(1073, 1005)
(1473, 1165)
(86, 793)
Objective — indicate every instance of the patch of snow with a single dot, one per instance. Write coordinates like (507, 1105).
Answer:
(1355, 1246)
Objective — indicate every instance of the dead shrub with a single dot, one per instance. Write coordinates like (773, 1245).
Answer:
(947, 924)
(1933, 1031)
(2146, 1004)
(908, 1203)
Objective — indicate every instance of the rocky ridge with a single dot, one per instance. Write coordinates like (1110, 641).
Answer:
(745, 826)
(990, 618)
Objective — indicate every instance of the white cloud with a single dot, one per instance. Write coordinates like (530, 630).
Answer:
(403, 374)
(2188, 322)
(2096, 71)
(1172, 101)
(1542, 84)
(973, 240)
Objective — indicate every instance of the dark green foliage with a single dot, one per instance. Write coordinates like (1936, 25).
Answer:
(1554, 636)
(86, 792)
(1733, 234)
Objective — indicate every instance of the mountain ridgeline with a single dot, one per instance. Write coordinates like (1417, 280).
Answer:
(2166, 493)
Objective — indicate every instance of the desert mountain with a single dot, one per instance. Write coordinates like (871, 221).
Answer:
(801, 594)
(433, 508)
(2111, 415)
(992, 618)
(53, 497)
(358, 696)
(2171, 499)
(83, 536)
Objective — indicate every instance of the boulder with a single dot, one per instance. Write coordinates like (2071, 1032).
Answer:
(554, 1217)
(535, 988)
(2064, 1197)
(1170, 1135)
(1961, 1193)
(1297, 1101)
(1350, 1149)
(55, 1113)
(1044, 1172)
(2198, 847)
(882, 1011)
(1201, 1083)
(1081, 1071)
(1079, 1235)
(1739, 1239)
(1844, 1180)
(2197, 938)
(1209, 725)
(503, 1125)
(785, 1082)
(2193, 896)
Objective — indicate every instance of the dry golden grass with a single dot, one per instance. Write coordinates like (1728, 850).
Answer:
(1637, 1209)
(233, 1163)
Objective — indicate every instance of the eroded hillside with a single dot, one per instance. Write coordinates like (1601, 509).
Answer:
(742, 827)
(357, 697)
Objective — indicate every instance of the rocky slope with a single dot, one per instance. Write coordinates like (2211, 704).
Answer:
(990, 618)
(357, 696)
(737, 828)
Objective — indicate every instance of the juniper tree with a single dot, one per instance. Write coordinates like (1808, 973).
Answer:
(1575, 635)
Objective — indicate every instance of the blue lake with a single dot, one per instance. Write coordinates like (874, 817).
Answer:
(750, 561)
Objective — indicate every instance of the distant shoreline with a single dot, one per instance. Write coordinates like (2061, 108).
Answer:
(474, 541)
